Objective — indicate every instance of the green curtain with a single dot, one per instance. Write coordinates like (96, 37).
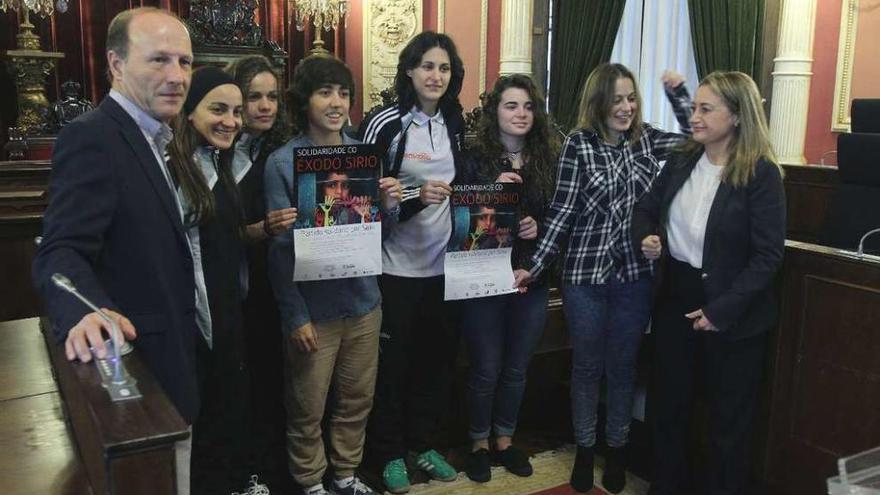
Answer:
(583, 37)
(728, 35)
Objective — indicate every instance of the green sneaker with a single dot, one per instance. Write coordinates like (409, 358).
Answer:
(435, 465)
(395, 477)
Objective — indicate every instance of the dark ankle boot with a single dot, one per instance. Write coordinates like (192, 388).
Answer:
(582, 472)
(614, 477)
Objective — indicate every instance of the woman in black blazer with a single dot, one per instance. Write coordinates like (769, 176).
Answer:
(715, 217)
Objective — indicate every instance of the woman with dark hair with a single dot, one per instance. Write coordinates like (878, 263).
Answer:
(515, 143)
(421, 135)
(330, 327)
(716, 216)
(200, 166)
(265, 129)
(606, 166)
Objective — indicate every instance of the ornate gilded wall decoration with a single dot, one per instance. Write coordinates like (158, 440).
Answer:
(224, 22)
(388, 26)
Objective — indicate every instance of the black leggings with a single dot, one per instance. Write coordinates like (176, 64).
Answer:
(417, 348)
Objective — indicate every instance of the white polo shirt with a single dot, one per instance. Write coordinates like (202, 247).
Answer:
(416, 247)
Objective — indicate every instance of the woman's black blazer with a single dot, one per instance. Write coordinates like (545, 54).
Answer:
(743, 247)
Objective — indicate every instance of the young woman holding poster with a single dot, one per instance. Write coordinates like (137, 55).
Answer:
(515, 143)
(716, 216)
(605, 167)
(421, 135)
(331, 326)
(200, 165)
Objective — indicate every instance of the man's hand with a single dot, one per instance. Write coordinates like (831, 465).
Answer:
(305, 338)
(87, 333)
(528, 228)
(434, 192)
(651, 247)
(700, 321)
(390, 191)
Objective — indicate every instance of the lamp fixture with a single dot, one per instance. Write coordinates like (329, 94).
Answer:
(322, 14)
(30, 65)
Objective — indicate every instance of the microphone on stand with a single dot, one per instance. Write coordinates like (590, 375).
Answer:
(861, 251)
(120, 381)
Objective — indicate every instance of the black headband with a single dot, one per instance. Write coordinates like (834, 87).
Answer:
(204, 80)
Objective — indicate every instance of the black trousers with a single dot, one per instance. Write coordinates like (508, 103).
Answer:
(727, 372)
(417, 348)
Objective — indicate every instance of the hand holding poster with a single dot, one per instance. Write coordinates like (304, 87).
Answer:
(338, 233)
(477, 262)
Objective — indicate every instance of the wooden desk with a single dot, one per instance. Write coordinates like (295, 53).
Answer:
(125, 447)
(825, 385)
(36, 452)
(60, 434)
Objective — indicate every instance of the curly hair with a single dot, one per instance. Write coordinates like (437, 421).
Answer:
(312, 73)
(410, 58)
(541, 143)
(244, 70)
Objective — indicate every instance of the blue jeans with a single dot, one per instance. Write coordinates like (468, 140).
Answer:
(605, 324)
(500, 333)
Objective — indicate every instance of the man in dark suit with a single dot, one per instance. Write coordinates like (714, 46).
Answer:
(114, 223)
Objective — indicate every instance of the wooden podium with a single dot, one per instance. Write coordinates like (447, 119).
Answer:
(825, 368)
(126, 447)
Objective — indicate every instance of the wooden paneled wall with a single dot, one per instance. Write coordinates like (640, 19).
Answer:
(23, 199)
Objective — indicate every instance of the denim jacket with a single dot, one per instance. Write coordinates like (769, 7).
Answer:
(315, 301)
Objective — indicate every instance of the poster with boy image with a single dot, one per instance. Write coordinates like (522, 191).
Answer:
(338, 232)
(477, 262)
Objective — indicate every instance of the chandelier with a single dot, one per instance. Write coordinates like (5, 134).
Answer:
(323, 14)
(42, 7)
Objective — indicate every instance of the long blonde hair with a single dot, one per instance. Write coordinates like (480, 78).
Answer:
(751, 136)
(597, 98)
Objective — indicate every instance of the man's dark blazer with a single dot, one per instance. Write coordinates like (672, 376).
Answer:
(113, 227)
(743, 247)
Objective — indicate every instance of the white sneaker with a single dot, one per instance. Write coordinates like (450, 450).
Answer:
(255, 488)
(351, 486)
(316, 490)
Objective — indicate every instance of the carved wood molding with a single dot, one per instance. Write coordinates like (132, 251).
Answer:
(224, 22)
(849, 20)
(388, 27)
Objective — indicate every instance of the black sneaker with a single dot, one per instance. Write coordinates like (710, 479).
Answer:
(514, 460)
(582, 472)
(477, 468)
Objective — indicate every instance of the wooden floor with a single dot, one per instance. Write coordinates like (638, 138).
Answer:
(36, 455)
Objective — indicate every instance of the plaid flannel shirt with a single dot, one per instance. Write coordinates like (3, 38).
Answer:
(597, 185)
